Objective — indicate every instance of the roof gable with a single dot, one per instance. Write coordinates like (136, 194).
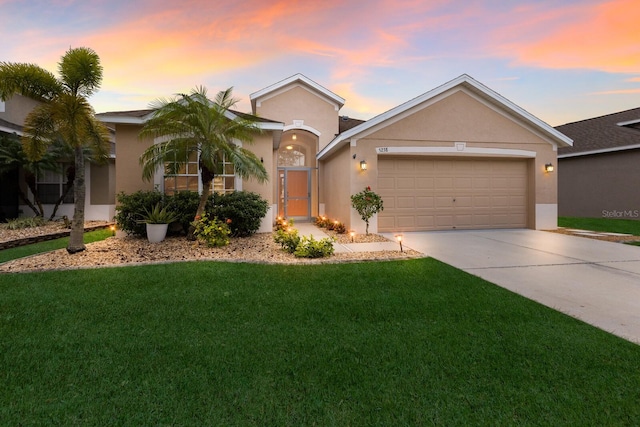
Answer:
(463, 82)
(294, 81)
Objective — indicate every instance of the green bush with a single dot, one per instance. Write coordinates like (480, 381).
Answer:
(184, 205)
(131, 209)
(311, 248)
(244, 209)
(288, 239)
(367, 203)
(211, 231)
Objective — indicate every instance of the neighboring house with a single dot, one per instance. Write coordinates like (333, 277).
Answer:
(458, 157)
(598, 177)
(100, 196)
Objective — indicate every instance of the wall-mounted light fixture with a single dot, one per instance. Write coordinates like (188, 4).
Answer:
(294, 137)
(548, 167)
(363, 165)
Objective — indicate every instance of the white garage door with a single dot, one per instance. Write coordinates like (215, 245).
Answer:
(443, 194)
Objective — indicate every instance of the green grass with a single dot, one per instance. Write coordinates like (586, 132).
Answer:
(50, 245)
(628, 226)
(394, 343)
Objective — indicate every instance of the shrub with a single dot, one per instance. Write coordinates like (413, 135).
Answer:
(367, 203)
(339, 228)
(288, 239)
(131, 209)
(184, 205)
(244, 209)
(283, 223)
(211, 231)
(311, 248)
(27, 222)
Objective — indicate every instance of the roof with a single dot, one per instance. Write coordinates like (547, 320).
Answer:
(464, 81)
(141, 116)
(9, 127)
(604, 134)
(345, 123)
(298, 79)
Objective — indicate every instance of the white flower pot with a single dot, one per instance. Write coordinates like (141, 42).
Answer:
(156, 232)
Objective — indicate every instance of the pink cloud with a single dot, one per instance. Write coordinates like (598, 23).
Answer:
(602, 36)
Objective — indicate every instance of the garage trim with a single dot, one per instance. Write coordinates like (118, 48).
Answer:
(470, 151)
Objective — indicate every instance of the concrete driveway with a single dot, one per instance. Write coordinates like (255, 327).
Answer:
(592, 280)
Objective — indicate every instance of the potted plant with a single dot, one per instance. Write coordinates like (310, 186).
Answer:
(157, 220)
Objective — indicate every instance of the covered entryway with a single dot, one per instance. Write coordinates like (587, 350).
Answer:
(435, 193)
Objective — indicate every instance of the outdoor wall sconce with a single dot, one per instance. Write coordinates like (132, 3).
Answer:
(294, 137)
(548, 167)
(363, 165)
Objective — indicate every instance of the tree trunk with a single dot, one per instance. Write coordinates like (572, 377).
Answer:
(206, 177)
(28, 202)
(71, 175)
(76, 243)
(30, 180)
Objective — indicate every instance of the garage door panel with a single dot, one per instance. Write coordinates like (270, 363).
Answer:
(406, 202)
(419, 193)
(405, 183)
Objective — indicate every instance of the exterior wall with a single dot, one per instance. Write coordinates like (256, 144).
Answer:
(600, 186)
(262, 146)
(17, 108)
(103, 184)
(128, 150)
(336, 173)
(462, 118)
(300, 103)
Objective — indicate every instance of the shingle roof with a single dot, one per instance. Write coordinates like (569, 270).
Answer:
(601, 134)
(345, 123)
(139, 114)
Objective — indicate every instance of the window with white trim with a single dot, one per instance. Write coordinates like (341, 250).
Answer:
(50, 185)
(224, 180)
(187, 177)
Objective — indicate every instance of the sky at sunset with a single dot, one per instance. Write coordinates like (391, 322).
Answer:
(561, 60)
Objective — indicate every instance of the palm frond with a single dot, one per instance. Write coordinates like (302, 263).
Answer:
(80, 71)
(28, 80)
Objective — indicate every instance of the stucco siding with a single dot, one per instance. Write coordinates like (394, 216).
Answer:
(602, 185)
(299, 103)
(335, 177)
(128, 150)
(103, 184)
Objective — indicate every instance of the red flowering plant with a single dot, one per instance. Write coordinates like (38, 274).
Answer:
(367, 203)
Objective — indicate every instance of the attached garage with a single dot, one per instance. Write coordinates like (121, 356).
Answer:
(458, 157)
(434, 193)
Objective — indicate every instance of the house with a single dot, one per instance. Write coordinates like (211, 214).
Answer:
(100, 196)
(460, 156)
(598, 176)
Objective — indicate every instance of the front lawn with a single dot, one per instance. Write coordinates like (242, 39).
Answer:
(391, 343)
(626, 226)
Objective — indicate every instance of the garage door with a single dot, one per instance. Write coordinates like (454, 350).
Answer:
(443, 194)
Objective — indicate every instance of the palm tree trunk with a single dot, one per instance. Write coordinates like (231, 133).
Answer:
(76, 243)
(206, 177)
(71, 175)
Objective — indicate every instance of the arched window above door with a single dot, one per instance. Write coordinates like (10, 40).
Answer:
(292, 155)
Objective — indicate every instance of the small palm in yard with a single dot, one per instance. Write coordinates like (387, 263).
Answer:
(192, 125)
(64, 114)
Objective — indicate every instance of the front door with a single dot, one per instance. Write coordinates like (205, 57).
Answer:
(294, 189)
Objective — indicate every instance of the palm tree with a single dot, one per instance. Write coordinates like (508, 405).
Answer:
(64, 114)
(192, 124)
